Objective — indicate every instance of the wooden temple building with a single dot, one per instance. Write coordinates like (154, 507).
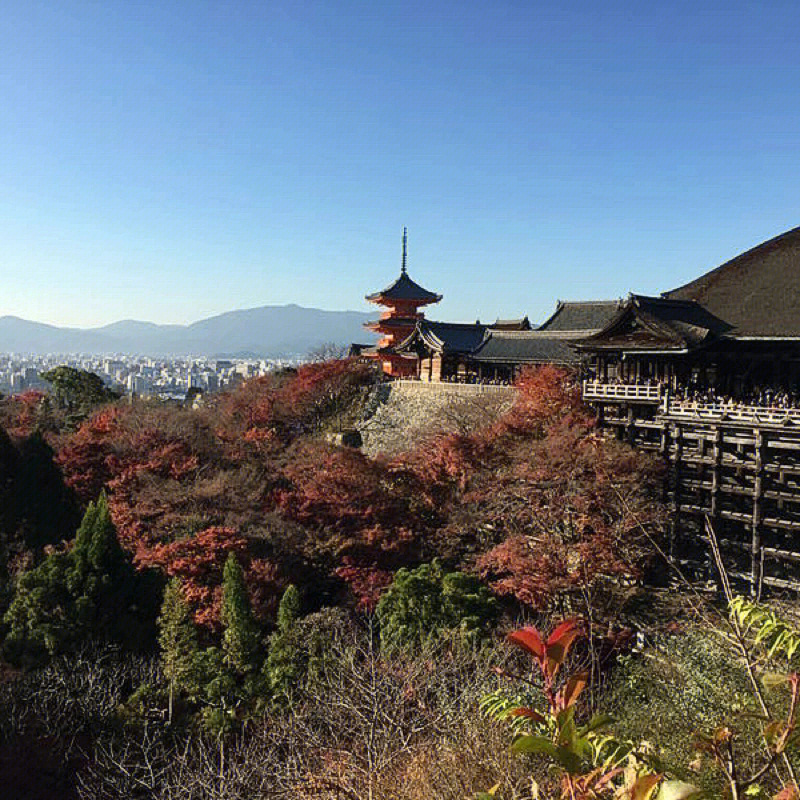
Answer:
(412, 346)
(708, 375)
(730, 337)
(496, 352)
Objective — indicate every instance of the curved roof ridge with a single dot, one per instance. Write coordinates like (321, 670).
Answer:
(589, 302)
(452, 324)
(660, 299)
(763, 246)
(534, 334)
(582, 314)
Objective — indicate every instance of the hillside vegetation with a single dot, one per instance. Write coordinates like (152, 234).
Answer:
(250, 610)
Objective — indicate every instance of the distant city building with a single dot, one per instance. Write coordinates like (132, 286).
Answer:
(165, 378)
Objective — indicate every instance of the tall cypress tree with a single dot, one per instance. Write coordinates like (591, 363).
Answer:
(240, 640)
(177, 638)
(103, 579)
(283, 666)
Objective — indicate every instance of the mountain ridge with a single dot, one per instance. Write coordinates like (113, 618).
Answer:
(266, 331)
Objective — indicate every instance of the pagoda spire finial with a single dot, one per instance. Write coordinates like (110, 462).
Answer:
(405, 251)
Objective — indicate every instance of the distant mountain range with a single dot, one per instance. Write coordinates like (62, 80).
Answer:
(268, 331)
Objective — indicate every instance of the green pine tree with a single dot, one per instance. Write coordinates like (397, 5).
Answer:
(83, 538)
(240, 640)
(103, 580)
(283, 666)
(177, 638)
(288, 609)
(42, 619)
(92, 590)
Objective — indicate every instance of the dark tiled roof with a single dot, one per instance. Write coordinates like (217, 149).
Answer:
(511, 325)
(691, 321)
(757, 293)
(524, 347)
(405, 289)
(446, 337)
(647, 323)
(582, 315)
(360, 349)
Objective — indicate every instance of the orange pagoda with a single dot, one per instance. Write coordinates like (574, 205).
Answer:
(403, 300)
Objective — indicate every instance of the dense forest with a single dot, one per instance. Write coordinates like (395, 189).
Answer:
(221, 601)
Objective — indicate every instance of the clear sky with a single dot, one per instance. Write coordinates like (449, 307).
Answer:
(170, 160)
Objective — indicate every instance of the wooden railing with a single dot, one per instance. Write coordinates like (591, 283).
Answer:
(633, 392)
(656, 394)
(733, 412)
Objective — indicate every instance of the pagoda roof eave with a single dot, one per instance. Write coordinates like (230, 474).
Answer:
(381, 299)
(404, 290)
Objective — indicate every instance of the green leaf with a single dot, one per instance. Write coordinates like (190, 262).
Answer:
(771, 680)
(534, 744)
(569, 759)
(644, 787)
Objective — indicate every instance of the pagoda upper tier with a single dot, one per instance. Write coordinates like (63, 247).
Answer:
(402, 299)
(404, 290)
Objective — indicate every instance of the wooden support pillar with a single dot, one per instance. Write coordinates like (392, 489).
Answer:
(755, 543)
(677, 454)
(664, 450)
(716, 477)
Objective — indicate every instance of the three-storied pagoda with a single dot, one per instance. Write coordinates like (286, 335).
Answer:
(403, 299)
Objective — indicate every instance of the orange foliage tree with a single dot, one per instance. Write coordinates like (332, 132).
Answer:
(544, 506)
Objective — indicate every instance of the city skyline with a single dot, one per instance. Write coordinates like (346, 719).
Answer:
(170, 162)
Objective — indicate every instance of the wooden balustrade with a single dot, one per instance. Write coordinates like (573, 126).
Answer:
(733, 413)
(618, 392)
(653, 393)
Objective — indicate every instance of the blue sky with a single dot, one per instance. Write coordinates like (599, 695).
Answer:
(170, 160)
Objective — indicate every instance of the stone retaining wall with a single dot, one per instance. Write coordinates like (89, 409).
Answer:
(402, 414)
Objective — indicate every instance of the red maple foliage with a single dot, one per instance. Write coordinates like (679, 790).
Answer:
(84, 456)
(545, 395)
(320, 390)
(358, 508)
(199, 559)
(366, 583)
(19, 413)
(574, 508)
(537, 503)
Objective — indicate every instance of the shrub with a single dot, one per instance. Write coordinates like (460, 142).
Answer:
(423, 602)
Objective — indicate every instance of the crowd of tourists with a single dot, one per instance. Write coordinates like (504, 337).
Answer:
(772, 397)
(777, 398)
(474, 379)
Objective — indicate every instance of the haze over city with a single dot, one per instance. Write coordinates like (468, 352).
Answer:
(167, 162)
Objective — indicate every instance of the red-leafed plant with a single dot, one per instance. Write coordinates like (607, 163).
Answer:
(590, 762)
